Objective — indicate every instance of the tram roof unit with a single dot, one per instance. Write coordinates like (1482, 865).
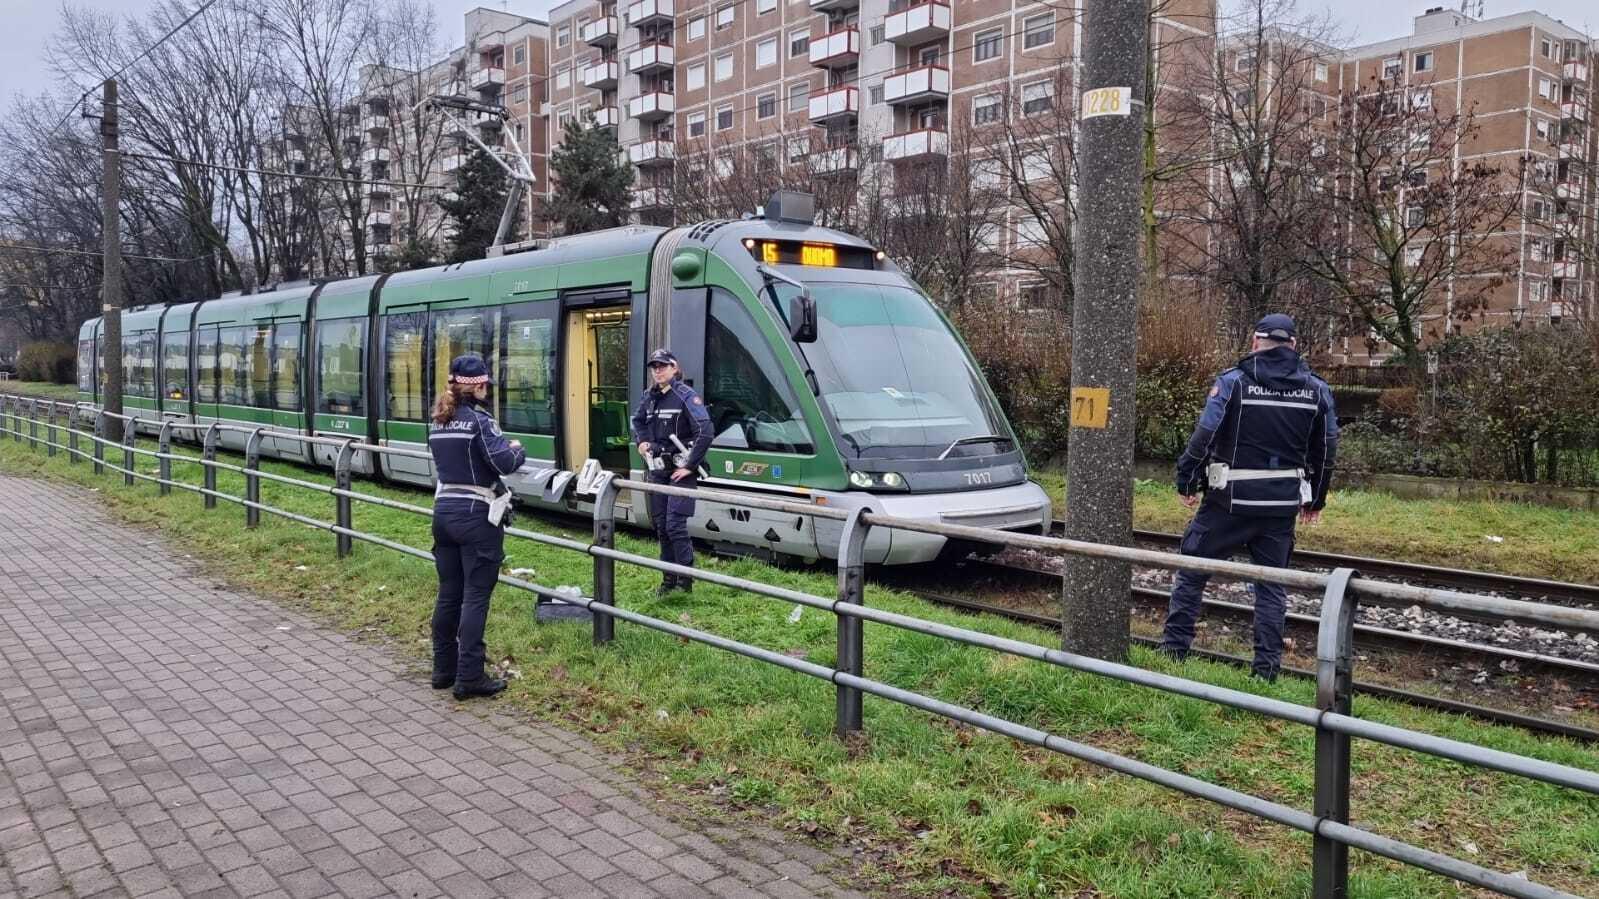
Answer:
(255, 307)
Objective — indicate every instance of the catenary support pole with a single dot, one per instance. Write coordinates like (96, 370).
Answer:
(111, 263)
(1096, 611)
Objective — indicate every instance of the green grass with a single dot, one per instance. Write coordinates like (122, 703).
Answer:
(43, 389)
(938, 807)
(1538, 541)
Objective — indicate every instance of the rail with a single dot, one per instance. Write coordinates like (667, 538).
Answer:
(1331, 717)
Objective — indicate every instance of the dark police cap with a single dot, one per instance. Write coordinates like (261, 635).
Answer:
(469, 369)
(663, 356)
(1277, 326)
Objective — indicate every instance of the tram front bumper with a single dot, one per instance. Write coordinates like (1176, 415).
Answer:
(1021, 507)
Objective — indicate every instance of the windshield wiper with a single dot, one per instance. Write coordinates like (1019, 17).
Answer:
(980, 438)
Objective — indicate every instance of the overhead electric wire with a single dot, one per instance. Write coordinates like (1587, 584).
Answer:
(69, 252)
(273, 174)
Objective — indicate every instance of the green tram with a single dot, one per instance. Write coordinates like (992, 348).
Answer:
(829, 376)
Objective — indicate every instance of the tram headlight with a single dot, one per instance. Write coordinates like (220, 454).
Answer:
(860, 480)
(888, 480)
(893, 481)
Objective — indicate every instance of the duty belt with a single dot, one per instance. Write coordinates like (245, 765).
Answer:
(464, 491)
(1219, 475)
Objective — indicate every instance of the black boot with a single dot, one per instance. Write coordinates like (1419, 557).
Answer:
(443, 681)
(483, 686)
(685, 585)
(667, 588)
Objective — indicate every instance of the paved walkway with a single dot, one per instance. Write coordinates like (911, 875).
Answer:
(161, 735)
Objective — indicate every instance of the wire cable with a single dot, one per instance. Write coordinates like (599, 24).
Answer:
(272, 174)
(64, 250)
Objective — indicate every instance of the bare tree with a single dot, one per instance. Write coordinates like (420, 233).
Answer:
(404, 71)
(1410, 233)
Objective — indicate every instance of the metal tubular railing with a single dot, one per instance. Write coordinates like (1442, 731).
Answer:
(1331, 717)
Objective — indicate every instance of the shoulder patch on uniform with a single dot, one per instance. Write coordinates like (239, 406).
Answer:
(1215, 391)
(698, 401)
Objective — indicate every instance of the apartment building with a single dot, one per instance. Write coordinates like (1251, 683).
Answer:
(1527, 79)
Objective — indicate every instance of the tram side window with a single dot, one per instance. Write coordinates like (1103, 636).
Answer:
(751, 402)
(527, 404)
(205, 365)
(462, 331)
(138, 368)
(259, 354)
(233, 365)
(341, 348)
(130, 364)
(175, 365)
(403, 366)
(286, 367)
(86, 366)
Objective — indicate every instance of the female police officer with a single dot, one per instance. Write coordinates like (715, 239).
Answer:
(469, 455)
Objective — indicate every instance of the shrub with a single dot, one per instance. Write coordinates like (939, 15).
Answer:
(1176, 368)
(47, 360)
(1027, 361)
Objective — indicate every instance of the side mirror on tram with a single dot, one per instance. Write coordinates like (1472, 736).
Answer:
(802, 318)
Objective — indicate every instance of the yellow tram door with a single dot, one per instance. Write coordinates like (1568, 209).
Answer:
(598, 402)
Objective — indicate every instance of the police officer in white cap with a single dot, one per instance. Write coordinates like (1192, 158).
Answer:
(1262, 453)
(673, 432)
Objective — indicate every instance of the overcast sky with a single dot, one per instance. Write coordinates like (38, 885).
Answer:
(30, 23)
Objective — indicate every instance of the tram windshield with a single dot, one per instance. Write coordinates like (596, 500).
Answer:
(896, 381)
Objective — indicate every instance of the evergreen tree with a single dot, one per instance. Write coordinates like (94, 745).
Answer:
(592, 186)
(414, 254)
(481, 188)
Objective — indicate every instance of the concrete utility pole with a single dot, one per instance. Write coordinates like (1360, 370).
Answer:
(1099, 489)
(111, 274)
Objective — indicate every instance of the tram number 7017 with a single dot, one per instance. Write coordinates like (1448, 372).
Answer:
(974, 478)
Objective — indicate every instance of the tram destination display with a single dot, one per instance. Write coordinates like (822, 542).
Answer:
(818, 255)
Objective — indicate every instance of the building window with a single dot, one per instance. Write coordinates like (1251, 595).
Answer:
(1546, 48)
(725, 17)
(1038, 31)
(930, 56)
(724, 117)
(1392, 67)
(1542, 129)
(563, 78)
(1321, 71)
(988, 173)
(1245, 63)
(1538, 210)
(766, 53)
(696, 76)
(987, 45)
(696, 28)
(799, 43)
(563, 35)
(1415, 216)
(1038, 97)
(874, 35)
(798, 95)
(1035, 166)
(562, 117)
(988, 109)
(723, 166)
(724, 67)
(762, 7)
(696, 124)
(874, 95)
(519, 55)
(1421, 99)
(766, 106)
(799, 146)
(1422, 62)
(1546, 89)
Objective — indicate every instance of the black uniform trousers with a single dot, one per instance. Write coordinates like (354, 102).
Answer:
(1216, 533)
(467, 551)
(670, 515)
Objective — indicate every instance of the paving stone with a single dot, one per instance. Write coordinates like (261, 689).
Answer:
(167, 739)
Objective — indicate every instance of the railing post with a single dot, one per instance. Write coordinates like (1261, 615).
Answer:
(99, 441)
(208, 455)
(851, 649)
(72, 437)
(16, 419)
(341, 480)
(50, 429)
(605, 569)
(252, 482)
(1334, 689)
(33, 424)
(164, 447)
(130, 434)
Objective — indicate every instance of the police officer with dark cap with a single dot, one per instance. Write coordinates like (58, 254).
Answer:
(673, 433)
(469, 455)
(1262, 453)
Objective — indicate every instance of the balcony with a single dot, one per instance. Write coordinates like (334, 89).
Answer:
(649, 12)
(377, 190)
(1575, 71)
(491, 42)
(601, 32)
(649, 198)
(375, 125)
(295, 157)
(834, 160)
(652, 153)
(838, 50)
(375, 154)
(452, 161)
(601, 76)
(1575, 109)
(652, 106)
(836, 105)
(379, 248)
(834, 5)
(650, 59)
(488, 79)
(607, 117)
(487, 120)
(917, 85)
(916, 144)
(377, 219)
(1563, 270)
(1568, 190)
(917, 24)
(1571, 148)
